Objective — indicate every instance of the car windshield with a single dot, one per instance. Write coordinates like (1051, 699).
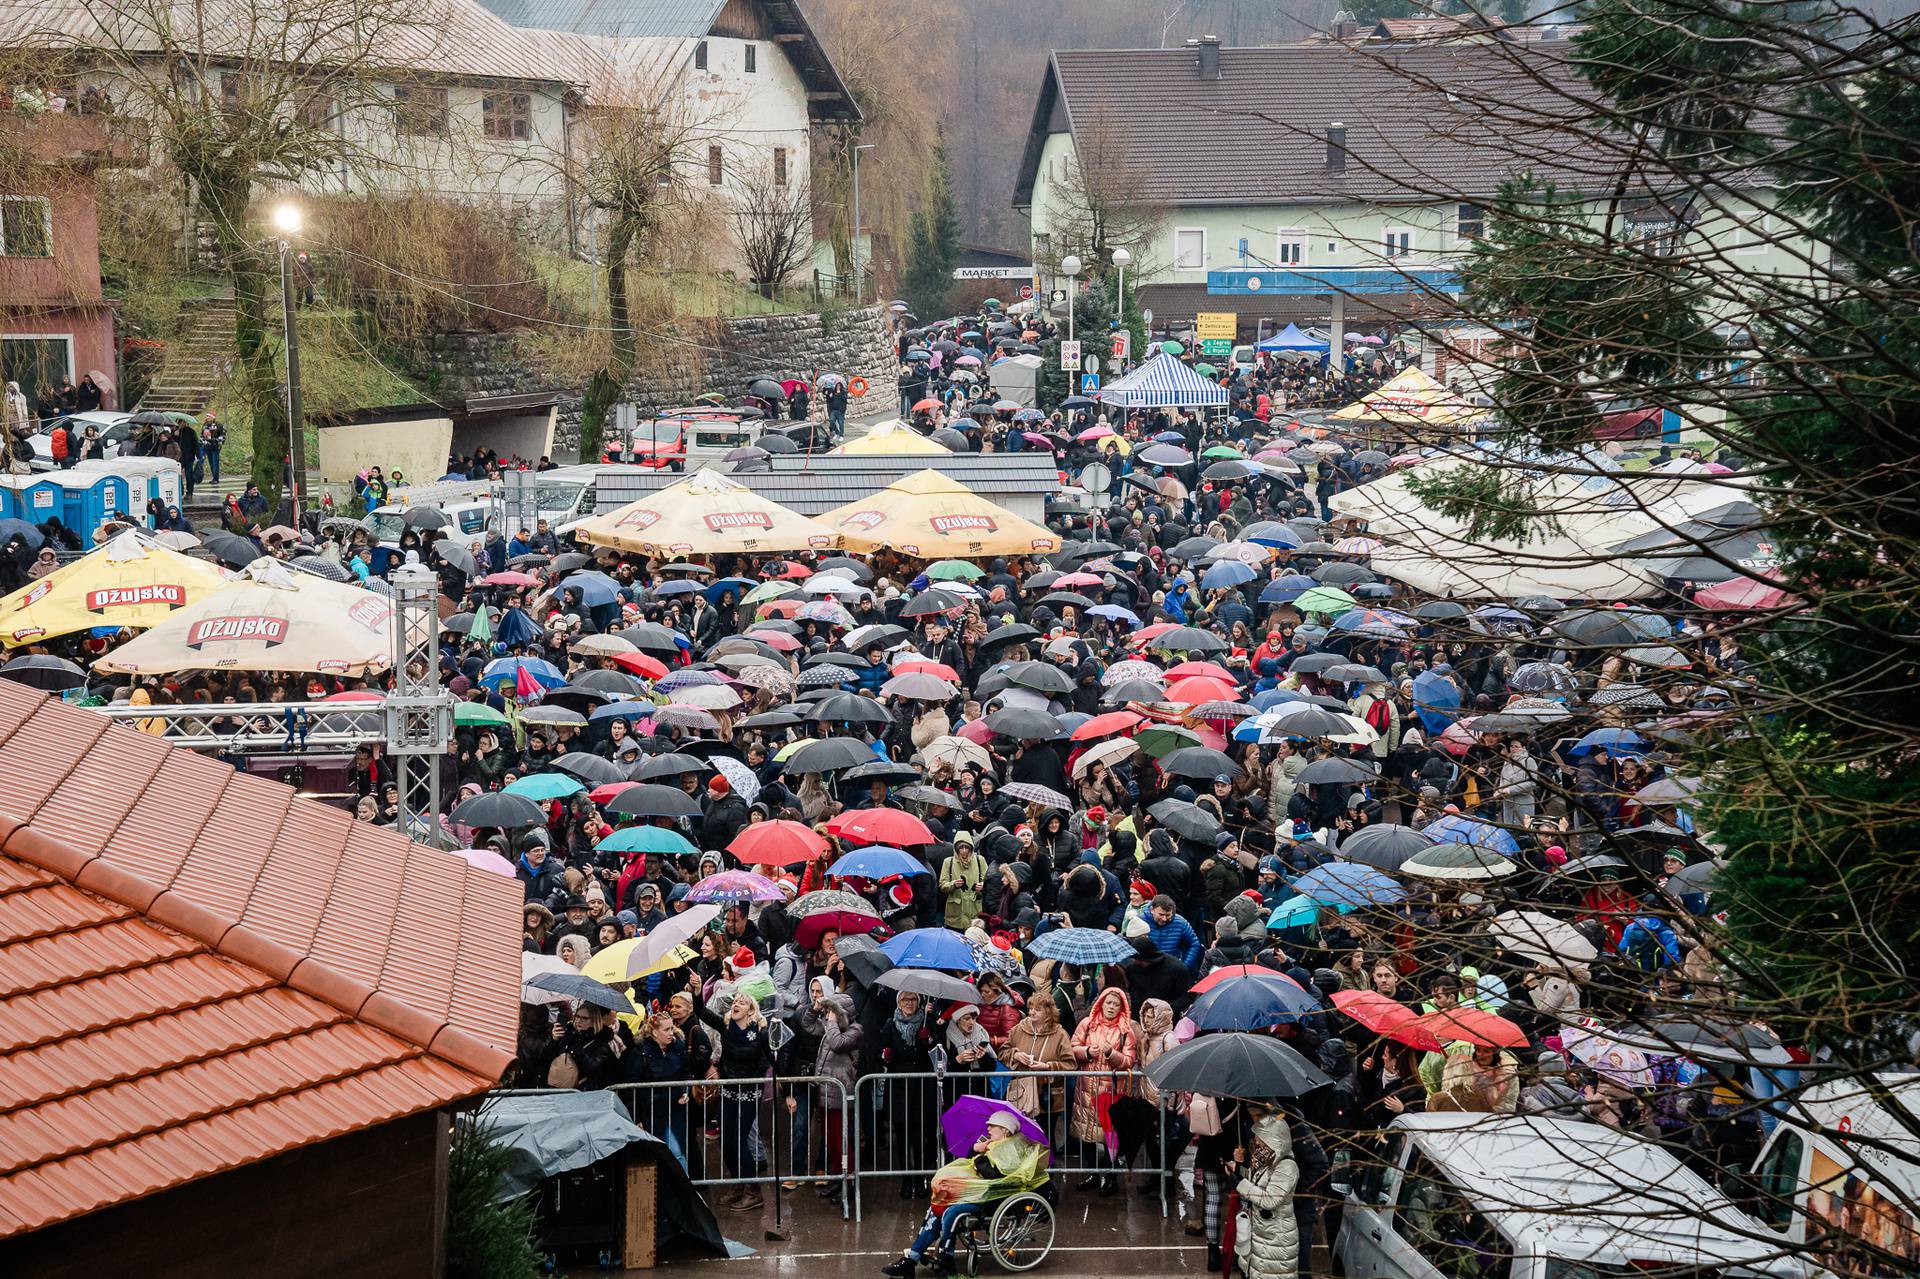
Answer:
(387, 526)
(663, 433)
(556, 501)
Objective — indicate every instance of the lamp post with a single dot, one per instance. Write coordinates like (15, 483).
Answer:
(857, 277)
(1070, 267)
(1120, 260)
(287, 222)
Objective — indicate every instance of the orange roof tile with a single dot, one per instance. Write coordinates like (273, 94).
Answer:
(199, 969)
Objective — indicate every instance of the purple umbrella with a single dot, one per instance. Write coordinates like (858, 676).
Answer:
(735, 886)
(967, 1118)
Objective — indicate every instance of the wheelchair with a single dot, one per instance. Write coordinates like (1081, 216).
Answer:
(1016, 1233)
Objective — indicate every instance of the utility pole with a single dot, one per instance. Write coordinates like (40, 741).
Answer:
(859, 281)
(287, 220)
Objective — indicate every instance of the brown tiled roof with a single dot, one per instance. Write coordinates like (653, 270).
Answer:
(199, 969)
(1425, 123)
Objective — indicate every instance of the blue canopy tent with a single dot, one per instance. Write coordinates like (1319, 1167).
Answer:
(1292, 339)
(1163, 382)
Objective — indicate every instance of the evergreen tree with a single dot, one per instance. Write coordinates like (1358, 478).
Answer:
(486, 1238)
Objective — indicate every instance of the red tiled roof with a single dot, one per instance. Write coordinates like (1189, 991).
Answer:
(199, 969)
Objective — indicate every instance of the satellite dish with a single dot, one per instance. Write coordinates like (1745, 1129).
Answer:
(1095, 477)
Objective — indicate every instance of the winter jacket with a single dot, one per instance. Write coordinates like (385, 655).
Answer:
(838, 1057)
(1177, 938)
(960, 888)
(1270, 1246)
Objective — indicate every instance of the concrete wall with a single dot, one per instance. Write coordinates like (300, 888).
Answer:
(526, 435)
(416, 449)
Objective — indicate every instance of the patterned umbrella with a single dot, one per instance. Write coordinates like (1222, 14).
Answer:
(771, 678)
(1034, 793)
(989, 958)
(686, 717)
(830, 899)
(735, 886)
(1120, 672)
(1082, 947)
(826, 612)
(738, 776)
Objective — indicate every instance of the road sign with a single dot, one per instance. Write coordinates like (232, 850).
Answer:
(1090, 363)
(1070, 356)
(1089, 383)
(1095, 477)
(1122, 346)
(1216, 346)
(1026, 292)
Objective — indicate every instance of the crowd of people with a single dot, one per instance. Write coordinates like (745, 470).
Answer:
(1229, 773)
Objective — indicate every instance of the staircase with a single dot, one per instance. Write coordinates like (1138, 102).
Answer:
(197, 361)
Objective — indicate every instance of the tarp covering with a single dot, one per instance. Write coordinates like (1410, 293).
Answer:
(1163, 382)
(129, 581)
(705, 514)
(271, 618)
(931, 517)
(1410, 399)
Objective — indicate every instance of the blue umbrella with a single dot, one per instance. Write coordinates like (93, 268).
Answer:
(930, 948)
(595, 588)
(1272, 534)
(1227, 573)
(1374, 623)
(1437, 698)
(877, 861)
(633, 708)
(1115, 613)
(544, 786)
(679, 586)
(1298, 912)
(1351, 883)
(1251, 1003)
(1274, 697)
(12, 528)
(1458, 828)
(505, 671)
(1621, 741)
(1170, 437)
(738, 585)
(1082, 947)
(1286, 589)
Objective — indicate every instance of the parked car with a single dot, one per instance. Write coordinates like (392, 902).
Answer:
(114, 429)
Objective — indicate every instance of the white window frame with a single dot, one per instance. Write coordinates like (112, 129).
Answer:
(1760, 227)
(750, 58)
(46, 225)
(1289, 237)
(1463, 240)
(700, 56)
(1179, 263)
(1390, 234)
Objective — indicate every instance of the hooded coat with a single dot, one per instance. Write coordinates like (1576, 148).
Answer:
(1270, 1246)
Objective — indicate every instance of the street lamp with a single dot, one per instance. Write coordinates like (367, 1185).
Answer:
(1070, 267)
(858, 148)
(287, 221)
(1120, 260)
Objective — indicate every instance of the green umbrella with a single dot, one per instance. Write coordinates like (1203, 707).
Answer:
(481, 632)
(1164, 739)
(1224, 451)
(477, 715)
(1173, 348)
(543, 786)
(992, 302)
(648, 839)
(955, 570)
(1324, 599)
(768, 591)
(1205, 370)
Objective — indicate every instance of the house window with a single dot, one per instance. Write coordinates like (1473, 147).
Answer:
(714, 172)
(1752, 232)
(37, 361)
(1290, 246)
(1399, 243)
(26, 226)
(779, 166)
(753, 59)
(700, 56)
(420, 110)
(507, 116)
(1190, 249)
(315, 110)
(1470, 222)
(237, 92)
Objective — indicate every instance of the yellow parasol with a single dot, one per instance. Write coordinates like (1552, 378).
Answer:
(129, 581)
(1410, 399)
(892, 439)
(706, 514)
(272, 618)
(930, 517)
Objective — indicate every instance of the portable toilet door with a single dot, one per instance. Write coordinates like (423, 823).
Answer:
(44, 499)
(10, 496)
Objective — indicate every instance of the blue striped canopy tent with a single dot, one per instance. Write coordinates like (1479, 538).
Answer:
(1163, 382)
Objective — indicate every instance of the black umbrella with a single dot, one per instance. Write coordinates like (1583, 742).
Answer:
(1702, 1038)
(1008, 634)
(651, 637)
(767, 389)
(426, 517)
(778, 717)
(1594, 628)
(1342, 573)
(849, 708)
(1337, 770)
(27, 533)
(845, 661)
(654, 801)
(582, 990)
(497, 808)
(1186, 820)
(773, 442)
(458, 556)
(1194, 547)
(848, 566)
(1133, 690)
(44, 671)
(829, 754)
(1313, 723)
(1236, 1064)
(931, 601)
(1441, 611)
(1041, 677)
(529, 560)
(927, 795)
(1355, 673)
(1698, 877)
(948, 438)
(672, 764)
(1025, 725)
(1199, 761)
(881, 770)
(459, 623)
(230, 548)
(1187, 639)
(1316, 663)
(862, 957)
(1067, 599)
(594, 770)
(603, 681)
(1384, 846)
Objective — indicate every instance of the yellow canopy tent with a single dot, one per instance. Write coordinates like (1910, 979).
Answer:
(892, 439)
(129, 581)
(931, 517)
(706, 514)
(1410, 399)
(271, 618)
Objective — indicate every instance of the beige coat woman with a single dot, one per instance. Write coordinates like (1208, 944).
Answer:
(1037, 1042)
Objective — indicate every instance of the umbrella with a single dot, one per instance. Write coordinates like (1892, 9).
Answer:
(1541, 937)
(929, 948)
(1457, 861)
(1703, 1037)
(497, 808)
(648, 800)
(591, 769)
(1200, 762)
(956, 753)
(476, 714)
(965, 1121)
(1082, 947)
(1387, 1016)
(1597, 1050)
(1034, 793)
(735, 886)
(1252, 1003)
(1350, 884)
(889, 826)
(1620, 741)
(777, 843)
(1338, 770)
(1458, 828)
(543, 786)
(930, 982)
(1186, 820)
(1385, 846)
(582, 990)
(659, 840)
(1472, 1026)
(1330, 600)
(828, 754)
(1250, 1067)
(44, 671)
(1022, 724)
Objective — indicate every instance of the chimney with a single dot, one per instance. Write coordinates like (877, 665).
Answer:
(1336, 147)
(1208, 49)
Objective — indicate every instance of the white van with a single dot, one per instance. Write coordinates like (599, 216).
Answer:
(471, 506)
(1811, 1178)
(1477, 1196)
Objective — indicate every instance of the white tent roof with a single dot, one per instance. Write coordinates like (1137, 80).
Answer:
(1161, 383)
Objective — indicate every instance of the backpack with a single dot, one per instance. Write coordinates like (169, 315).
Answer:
(58, 443)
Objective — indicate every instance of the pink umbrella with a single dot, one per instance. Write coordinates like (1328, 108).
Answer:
(1744, 594)
(1034, 437)
(976, 731)
(1095, 433)
(486, 859)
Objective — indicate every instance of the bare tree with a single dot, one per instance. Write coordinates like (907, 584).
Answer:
(772, 225)
(1104, 200)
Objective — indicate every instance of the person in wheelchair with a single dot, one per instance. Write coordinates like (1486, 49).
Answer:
(1003, 1162)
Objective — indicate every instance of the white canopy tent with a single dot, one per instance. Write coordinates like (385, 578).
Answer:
(1163, 382)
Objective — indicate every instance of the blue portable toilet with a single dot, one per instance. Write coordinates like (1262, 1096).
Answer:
(10, 496)
(89, 498)
(41, 499)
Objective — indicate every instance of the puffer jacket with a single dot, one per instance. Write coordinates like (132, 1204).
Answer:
(1270, 1246)
(838, 1058)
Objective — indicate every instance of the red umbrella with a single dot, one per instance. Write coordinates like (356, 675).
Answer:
(1149, 633)
(782, 608)
(601, 794)
(1072, 580)
(1231, 971)
(1384, 1016)
(1743, 594)
(887, 826)
(779, 641)
(640, 664)
(777, 843)
(1187, 670)
(355, 695)
(1471, 1026)
(807, 931)
(1111, 722)
(926, 406)
(1202, 688)
(975, 731)
(919, 666)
